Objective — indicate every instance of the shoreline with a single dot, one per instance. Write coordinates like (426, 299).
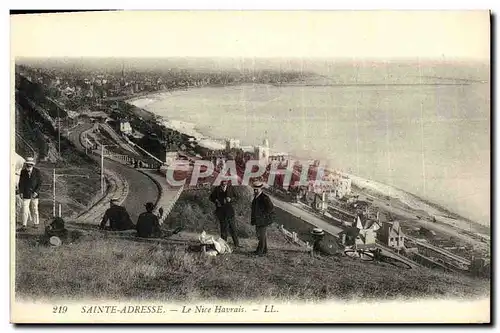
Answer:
(153, 94)
(410, 200)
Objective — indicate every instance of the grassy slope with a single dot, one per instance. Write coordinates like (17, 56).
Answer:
(100, 267)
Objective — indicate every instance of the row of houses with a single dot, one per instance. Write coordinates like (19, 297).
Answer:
(366, 231)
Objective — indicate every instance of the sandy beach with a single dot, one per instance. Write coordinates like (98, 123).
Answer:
(415, 205)
(177, 125)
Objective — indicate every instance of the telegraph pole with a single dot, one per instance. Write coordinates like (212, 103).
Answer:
(59, 133)
(54, 193)
(102, 169)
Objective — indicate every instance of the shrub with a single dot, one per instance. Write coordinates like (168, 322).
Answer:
(195, 212)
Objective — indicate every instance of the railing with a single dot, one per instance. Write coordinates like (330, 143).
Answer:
(125, 159)
(168, 209)
(118, 138)
(439, 251)
(293, 237)
(147, 153)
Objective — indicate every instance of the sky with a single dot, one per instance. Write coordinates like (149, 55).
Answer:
(330, 34)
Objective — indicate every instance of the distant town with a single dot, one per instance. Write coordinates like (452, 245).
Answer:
(78, 89)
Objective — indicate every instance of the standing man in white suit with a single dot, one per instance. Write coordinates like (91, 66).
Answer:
(18, 167)
(30, 182)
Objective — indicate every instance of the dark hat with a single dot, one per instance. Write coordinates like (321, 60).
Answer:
(149, 205)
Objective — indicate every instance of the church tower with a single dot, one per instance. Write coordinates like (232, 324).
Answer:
(262, 152)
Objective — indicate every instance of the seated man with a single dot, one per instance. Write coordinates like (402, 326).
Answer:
(56, 228)
(147, 223)
(118, 217)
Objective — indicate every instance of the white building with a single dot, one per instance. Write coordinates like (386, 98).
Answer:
(171, 157)
(232, 144)
(367, 231)
(125, 127)
(279, 160)
(341, 185)
(262, 152)
(392, 235)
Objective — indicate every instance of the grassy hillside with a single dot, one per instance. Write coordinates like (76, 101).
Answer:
(73, 193)
(118, 268)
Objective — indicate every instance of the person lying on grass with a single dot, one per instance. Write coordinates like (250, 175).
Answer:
(322, 247)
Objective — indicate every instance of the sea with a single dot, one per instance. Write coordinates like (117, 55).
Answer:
(419, 126)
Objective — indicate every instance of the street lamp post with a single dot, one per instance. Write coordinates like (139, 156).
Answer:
(102, 169)
(59, 133)
(54, 193)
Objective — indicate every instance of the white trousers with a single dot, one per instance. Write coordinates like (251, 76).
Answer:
(30, 207)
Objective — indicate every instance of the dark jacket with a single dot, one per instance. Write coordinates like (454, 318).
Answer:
(118, 219)
(148, 225)
(325, 248)
(226, 209)
(29, 185)
(262, 211)
(56, 228)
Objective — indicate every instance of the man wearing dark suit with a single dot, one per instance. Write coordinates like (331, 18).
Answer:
(30, 182)
(148, 224)
(222, 197)
(262, 216)
(118, 217)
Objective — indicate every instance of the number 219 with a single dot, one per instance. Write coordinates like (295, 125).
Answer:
(59, 309)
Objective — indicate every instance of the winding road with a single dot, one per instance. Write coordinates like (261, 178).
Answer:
(141, 188)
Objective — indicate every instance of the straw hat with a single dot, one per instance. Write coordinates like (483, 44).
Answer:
(317, 232)
(257, 184)
(30, 161)
(55, 241)
(114, 200)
